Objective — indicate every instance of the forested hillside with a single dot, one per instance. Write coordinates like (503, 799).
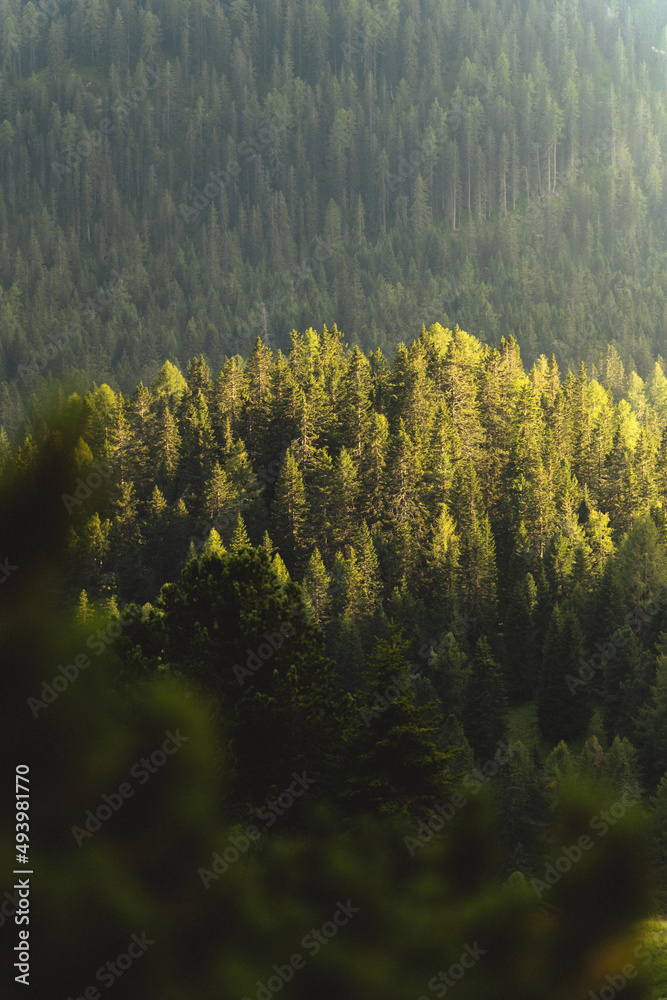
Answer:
(503, 531)
(373, 607)
(180, 177)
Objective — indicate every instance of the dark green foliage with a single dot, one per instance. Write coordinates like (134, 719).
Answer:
(654, 725)
(485, 703)
(563, 710)
(520, 799)
(394, 743)
(520, 641)
(245, 740)
(229, 625)
(626, 682)
(384, 167)
(448, 671)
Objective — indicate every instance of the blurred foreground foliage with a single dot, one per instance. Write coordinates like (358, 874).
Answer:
(140, 873)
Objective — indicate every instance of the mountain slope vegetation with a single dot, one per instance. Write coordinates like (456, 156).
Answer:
(181, 177)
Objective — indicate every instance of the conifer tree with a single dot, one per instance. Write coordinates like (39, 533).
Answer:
(319, 501)
(521, 652)
(374, 468)
(344, 495)
(348, 652)
(622, 765)
(394, 745)
(563, 710)
(442, 559)
(485, 703)
(83, 611)
(625, 686)
(239, 539)
(521, 805)
(355, 410)
(316, 584)
(289, 510)
(448, 669)
(167, 445)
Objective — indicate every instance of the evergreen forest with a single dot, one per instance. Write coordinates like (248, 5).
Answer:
(333, 499)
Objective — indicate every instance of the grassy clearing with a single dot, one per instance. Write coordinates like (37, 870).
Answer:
(523, 726)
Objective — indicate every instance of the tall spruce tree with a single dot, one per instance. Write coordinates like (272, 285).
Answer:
(564, 709)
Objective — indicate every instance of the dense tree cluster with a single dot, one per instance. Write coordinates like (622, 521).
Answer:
(510, 524)
(184, 178)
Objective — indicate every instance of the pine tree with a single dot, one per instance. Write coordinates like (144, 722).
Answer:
(622, 765)
(221, 497)
(316, 584)
(227, 401)
(198, 440)
(593, 760)
(166, 445)
(373, 468)
(156, 536)
(448, 669)
(521, 806)
(289, 510)
(368, 584)
(355, 407)
(443, 560)
(83, 611)
(257, 372)
(394, 745)
(404, 483)
(521, 650)
(485, 703)
(344, 495)
(563, 710)
(319, 494)
(477, 576)
(239, 539)
(348, 653)
(559, 767)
